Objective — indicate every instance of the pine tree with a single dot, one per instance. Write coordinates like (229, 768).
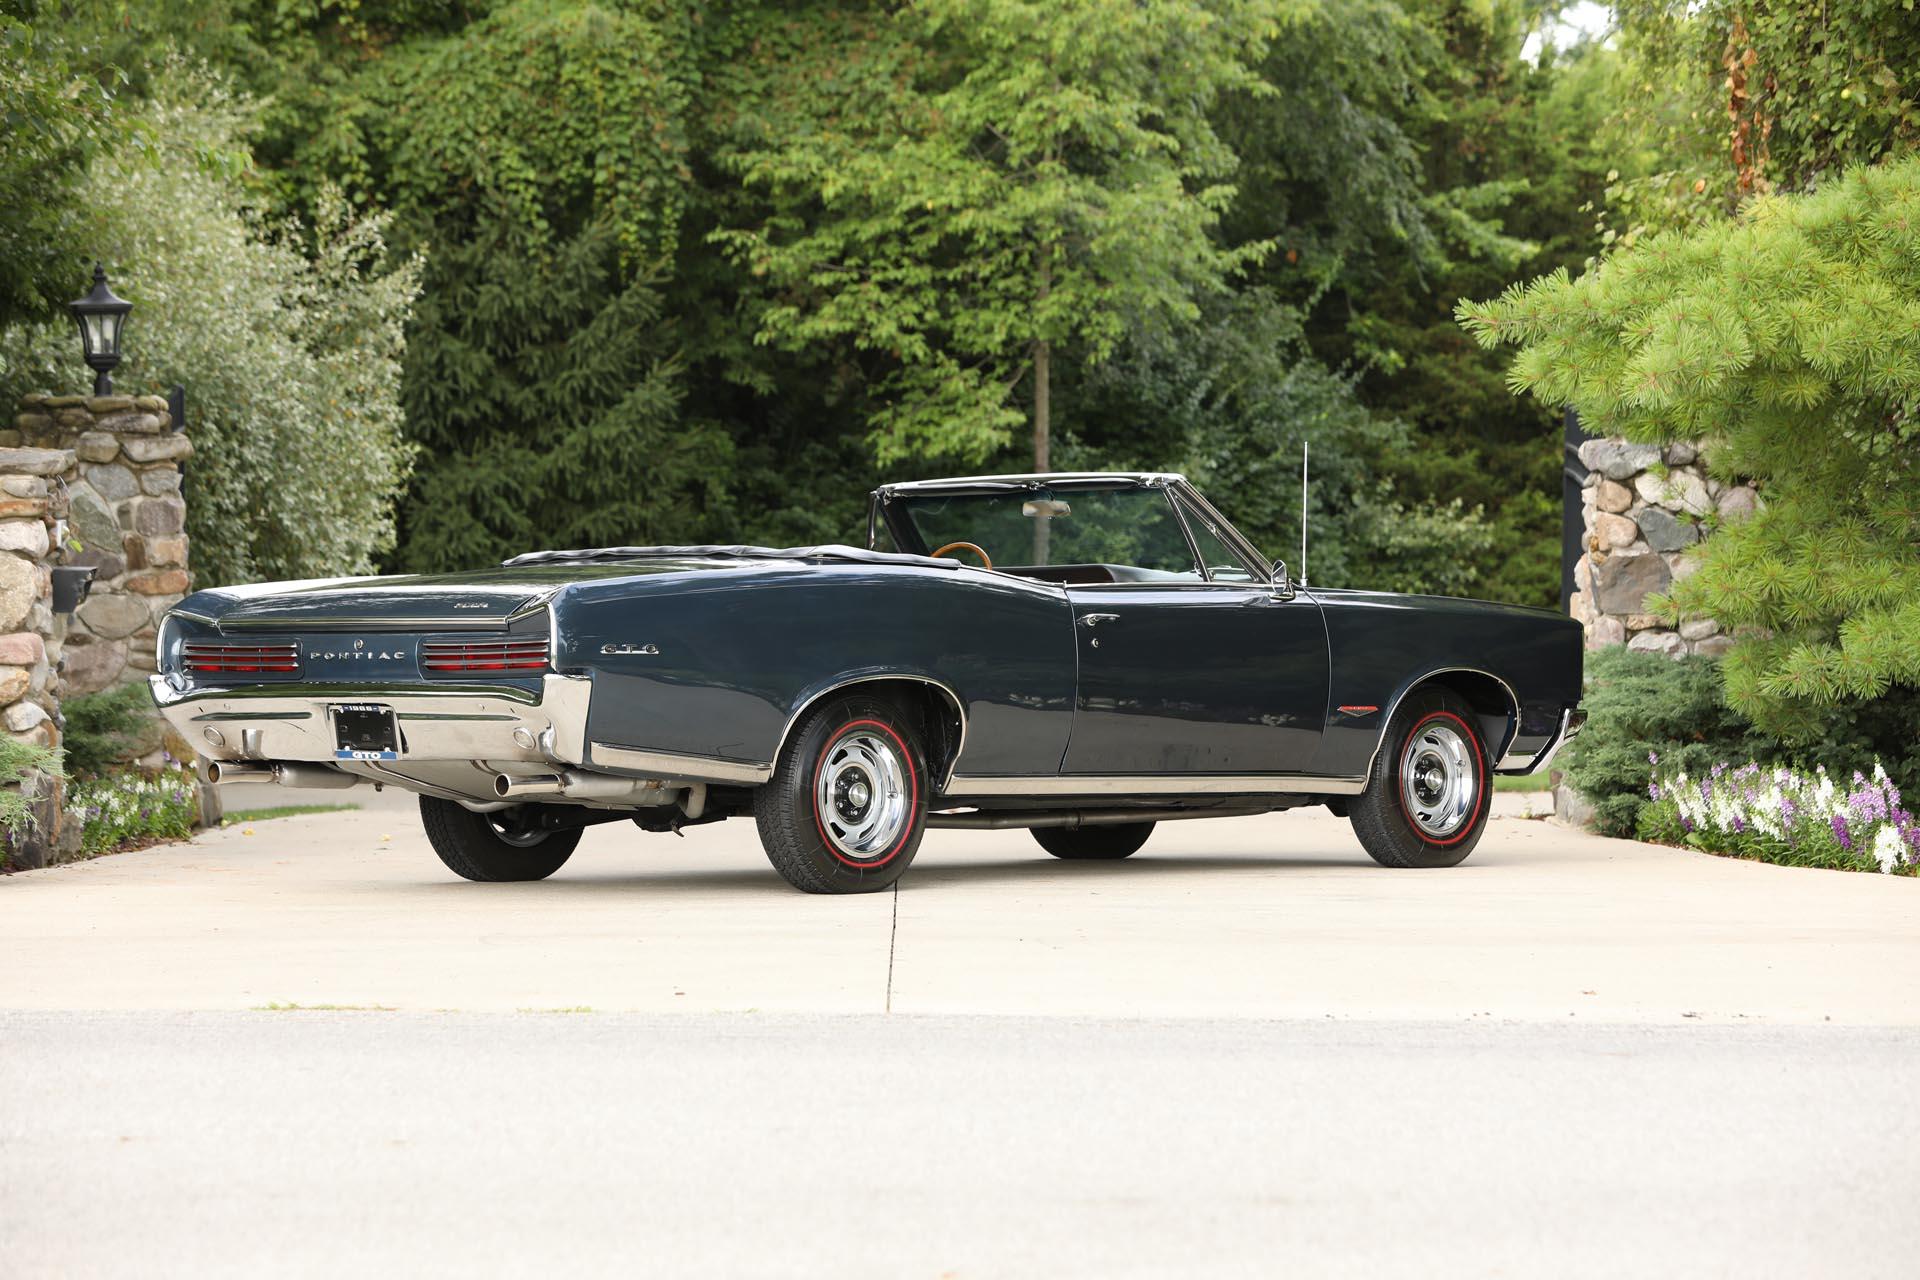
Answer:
(1788, 342)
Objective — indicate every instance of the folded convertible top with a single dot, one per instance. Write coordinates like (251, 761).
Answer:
(831, 552)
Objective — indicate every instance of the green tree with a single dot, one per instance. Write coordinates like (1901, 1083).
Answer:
(1788, 341)
(1728, 99)
(965, 187)
(289, 339)
(58, 114)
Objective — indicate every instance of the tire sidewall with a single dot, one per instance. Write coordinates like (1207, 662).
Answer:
(1386, 797)
(800, 827)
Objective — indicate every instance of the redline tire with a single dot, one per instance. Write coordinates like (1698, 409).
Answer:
(1102, 842)
(1431, 788)
(473, 849)
(847, 804)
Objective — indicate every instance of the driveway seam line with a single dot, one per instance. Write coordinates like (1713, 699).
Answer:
(893, 941)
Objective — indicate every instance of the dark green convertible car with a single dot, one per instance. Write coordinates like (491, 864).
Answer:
(1080, 655)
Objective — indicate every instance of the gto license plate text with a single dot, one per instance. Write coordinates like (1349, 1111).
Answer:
(365, 731)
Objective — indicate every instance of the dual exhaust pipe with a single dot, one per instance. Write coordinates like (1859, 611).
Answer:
(571, 784)
(287, 774)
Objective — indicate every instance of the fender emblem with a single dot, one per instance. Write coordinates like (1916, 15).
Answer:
(646, 650)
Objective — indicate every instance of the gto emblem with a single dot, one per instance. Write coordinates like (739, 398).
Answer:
(475, 604)
(643, 649)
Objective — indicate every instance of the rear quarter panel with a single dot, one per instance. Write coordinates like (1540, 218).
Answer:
(1382, 645)
(740, 651)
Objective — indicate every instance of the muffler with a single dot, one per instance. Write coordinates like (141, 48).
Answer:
(577, 785)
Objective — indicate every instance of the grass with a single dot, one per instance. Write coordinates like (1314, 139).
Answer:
(282, 811)
(1524, 782)
(277, 1007)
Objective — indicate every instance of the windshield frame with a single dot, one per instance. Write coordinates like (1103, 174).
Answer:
(886, 512)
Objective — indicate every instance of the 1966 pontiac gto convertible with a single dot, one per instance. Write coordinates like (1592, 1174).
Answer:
(1081, 655)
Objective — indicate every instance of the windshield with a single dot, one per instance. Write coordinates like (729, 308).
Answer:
(1033, 527)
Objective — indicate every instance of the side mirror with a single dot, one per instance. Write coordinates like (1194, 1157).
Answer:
(1277, 574)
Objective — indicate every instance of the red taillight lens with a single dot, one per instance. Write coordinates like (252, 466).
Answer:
(217, 657)
(528, 653)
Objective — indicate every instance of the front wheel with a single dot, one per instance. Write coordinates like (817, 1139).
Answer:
(492, 847)
(847, 803)
(1430, 790)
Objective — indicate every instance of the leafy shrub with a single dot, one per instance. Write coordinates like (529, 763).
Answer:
(1786, 816)
(23, 769)
(1642, 704)
(287, 338)
(1639, 704)
(105, 728)
(120, 807)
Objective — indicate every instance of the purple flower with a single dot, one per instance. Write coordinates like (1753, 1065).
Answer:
(1686, 823)
(1738, 824)
(1840, 833)
(1653, 791)
(1653, 757)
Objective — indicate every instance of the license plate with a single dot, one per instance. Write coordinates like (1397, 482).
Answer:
(365, 731)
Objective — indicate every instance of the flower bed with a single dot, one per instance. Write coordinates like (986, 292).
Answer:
(1782, 815)
(121, 809)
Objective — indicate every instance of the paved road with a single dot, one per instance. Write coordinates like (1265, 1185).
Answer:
(1277, 916)
(836, 1146)
(1245, 1051)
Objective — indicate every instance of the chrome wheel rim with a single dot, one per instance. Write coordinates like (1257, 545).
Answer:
(862, 796)
(1438, 780)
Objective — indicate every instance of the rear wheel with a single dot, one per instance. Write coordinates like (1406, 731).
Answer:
(1103, 842)
(493, 847)
(1431, 788)
(847, 803)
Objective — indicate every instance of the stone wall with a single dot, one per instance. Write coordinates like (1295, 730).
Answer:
(1644, 506)
(124, 510)
(32, 508)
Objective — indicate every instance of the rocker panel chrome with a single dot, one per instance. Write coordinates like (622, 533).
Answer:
(666, 764)
(1157, 785)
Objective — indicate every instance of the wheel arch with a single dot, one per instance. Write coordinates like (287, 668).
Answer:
(1495, 705)
(942, 713)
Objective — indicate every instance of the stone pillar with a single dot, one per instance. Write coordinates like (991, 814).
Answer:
(1644, 506)
(32, 507)
(125, 512)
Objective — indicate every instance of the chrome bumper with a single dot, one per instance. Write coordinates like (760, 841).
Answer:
(293, 722)
(1572, 720)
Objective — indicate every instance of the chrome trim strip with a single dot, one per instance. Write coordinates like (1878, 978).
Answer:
(1156, 785)
(165, 694)
(1386, 721)
(1569, 726)
(668, 765)
(959, 711)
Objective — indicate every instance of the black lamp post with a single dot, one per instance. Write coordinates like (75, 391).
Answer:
(100, 316)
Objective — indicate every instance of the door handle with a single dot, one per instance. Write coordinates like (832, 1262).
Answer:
(1095, 619)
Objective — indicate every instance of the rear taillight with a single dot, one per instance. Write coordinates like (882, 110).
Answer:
(450, 657)
(221, 657)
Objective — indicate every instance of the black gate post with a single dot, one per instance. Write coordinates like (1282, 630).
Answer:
(1573, 529)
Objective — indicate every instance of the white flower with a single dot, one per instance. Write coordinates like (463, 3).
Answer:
(1889, 849)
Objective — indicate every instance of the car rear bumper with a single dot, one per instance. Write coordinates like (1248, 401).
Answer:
(293, 722)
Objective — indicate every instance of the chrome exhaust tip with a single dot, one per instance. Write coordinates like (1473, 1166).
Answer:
(219, 771)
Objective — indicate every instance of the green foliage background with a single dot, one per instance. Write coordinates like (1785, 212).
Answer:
(681, 280)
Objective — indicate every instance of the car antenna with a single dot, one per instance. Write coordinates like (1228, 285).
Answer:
(1303, 513)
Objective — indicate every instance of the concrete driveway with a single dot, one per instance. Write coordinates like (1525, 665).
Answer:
(1246, 1051)
(1280, 916)
(1277, 916)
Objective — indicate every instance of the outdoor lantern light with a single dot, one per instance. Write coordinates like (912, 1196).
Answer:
(100, 316)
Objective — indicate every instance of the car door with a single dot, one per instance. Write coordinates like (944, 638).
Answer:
(1222, 675)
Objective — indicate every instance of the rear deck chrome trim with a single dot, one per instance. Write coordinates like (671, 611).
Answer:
(1227, 784)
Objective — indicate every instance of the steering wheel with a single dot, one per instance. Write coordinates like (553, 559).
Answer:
(986, 560)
